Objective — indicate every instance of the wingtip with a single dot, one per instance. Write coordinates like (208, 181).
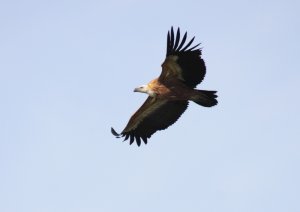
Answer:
(115, 133)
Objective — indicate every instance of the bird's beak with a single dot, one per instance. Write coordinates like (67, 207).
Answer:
(140, 89)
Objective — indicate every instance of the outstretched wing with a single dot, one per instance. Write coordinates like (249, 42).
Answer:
(155, 114)
(182, 61)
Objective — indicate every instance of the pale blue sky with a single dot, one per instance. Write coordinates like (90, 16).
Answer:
(67, 72)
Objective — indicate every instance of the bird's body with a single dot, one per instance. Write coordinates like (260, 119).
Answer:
(171, 91)
(168, 95)
(160, 90)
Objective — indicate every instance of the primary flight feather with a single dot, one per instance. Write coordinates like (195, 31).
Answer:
(168, 95)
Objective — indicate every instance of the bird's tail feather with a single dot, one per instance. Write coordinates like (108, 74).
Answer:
(205, 98)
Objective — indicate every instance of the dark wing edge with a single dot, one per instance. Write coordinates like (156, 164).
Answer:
(173, 46)
(133, 137)
(188, 58)
(115, 133)
(159, 119)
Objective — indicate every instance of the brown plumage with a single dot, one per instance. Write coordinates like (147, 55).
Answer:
(182, 70)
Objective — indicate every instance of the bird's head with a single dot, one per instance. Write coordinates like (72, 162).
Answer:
(145, 89)
(142, 89)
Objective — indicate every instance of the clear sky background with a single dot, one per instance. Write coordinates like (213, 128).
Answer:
(67, 74)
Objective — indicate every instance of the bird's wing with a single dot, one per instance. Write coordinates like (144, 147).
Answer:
(155, 114)
(182, 61)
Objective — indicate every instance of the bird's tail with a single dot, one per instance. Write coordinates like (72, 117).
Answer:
(205, 98)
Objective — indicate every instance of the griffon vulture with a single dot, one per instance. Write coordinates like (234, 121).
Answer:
(168, 95)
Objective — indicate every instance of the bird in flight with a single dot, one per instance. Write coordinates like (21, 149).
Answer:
(170, 93)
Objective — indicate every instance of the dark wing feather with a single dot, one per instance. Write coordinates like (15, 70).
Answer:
(172, 37)
(188, 45)
(182, 42)
(177, 39)
(189, 66)
(152, 116)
